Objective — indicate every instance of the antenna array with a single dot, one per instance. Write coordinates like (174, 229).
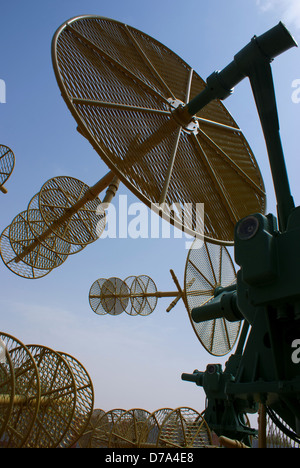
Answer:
(7, 164)
(138, 428)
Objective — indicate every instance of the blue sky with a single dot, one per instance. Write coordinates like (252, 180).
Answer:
(133, 361)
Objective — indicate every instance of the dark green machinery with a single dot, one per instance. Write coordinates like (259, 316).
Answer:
(267, 294)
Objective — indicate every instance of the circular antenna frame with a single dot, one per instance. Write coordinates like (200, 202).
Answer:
(86, 440)
(57, 199)
(130, 429)
(7, 164)
(114, 296)
(130, 309)
(58, 398)
(38, 227)
(184, 427)
(7, 385)
(21, 237)
(209, 266)
(27, 391)
(140, 289)
(84, 402)
(95, 297)
(124, 89)
(102, 431)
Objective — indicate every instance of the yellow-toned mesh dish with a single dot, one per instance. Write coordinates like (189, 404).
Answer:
(130, 429)
(140, 295)
(58, 398)
(38, 228)
(109, 296)
(7, 386)
(184, 427)
(103, 427)
(86, 439)
(84, 402)
(58, 197)
(209, 266)
(7, 164)
(114, 296)
(46, 398)
(122, 88)
(152, 427)
(14, 264)
(95, 299)
(21, 237)
(27, 392)
(129, 281)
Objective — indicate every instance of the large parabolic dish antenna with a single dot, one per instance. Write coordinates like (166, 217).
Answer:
(124, 89)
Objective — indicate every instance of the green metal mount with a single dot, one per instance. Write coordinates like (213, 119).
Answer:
(267, 249)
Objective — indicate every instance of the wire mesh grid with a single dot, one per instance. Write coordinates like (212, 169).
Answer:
(21, 237)
(17, 429)
(119, 85)
(84, 402)
(114, 296)
(276, 437)
(139, 428)
(103, 428)
(58, 398)
(57, 197)
(38, 227)
(135, 296)
(46, 397)
(130, 429)
(184, 427)
(10, 259)
(62, 219)
(7, 163)
(141, 286)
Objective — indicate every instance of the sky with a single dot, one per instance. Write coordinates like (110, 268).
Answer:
(134, 362)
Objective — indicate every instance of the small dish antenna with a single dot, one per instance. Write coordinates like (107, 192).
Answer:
(128, 94)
